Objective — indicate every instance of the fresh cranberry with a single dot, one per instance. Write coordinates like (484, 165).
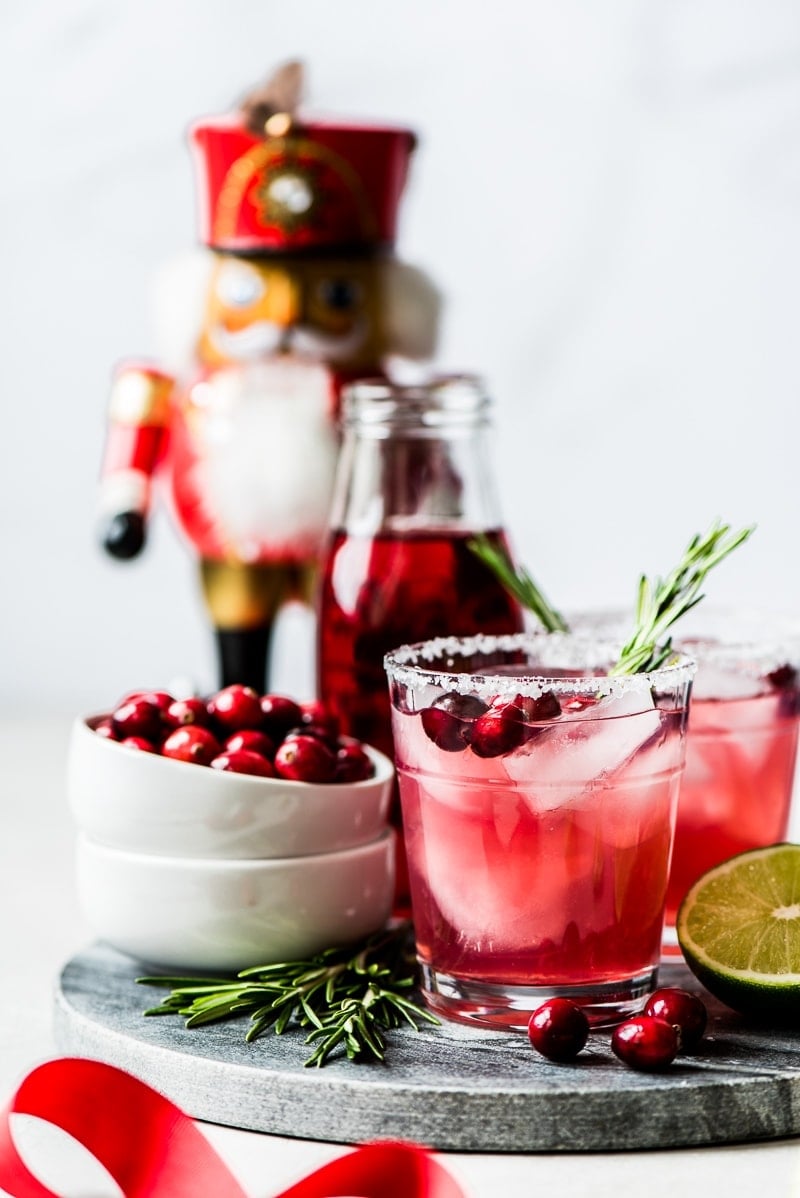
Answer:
(352, 763)
(783, 678)
(279, 714)
(645, 1043)
(501, 728)
(447, 722)
(186, 711)
(243, 761)
(685, 1011)
(252, 739)
(106, 729)
(305, 759)
(140, 743)
(161, 699)
(558, 1029)
(316, 715)
(138, 717)
(318, 731)
(784, 681)
(545, 707)
(236, 707)
(191, 743)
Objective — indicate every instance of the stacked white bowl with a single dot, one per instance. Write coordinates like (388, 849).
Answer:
(192, 868)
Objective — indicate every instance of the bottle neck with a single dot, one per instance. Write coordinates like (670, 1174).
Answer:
(404, 481)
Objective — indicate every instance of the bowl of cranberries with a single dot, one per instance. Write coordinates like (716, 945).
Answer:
(237, 775)
(230, 831)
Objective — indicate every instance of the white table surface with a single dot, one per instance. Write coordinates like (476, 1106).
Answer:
(41, 927)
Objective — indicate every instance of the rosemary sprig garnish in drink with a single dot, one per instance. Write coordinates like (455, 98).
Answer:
(659, 604)
(518, 583)
(349, 997)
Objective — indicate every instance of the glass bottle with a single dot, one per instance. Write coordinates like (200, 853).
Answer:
(414, 483)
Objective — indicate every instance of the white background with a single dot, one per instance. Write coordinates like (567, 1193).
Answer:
(607, 193)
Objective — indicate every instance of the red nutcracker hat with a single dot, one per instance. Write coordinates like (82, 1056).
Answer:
(271, 182)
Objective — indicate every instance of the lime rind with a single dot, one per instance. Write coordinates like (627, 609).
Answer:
(739, 930)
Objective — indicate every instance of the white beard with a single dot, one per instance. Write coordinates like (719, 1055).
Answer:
(267, 456)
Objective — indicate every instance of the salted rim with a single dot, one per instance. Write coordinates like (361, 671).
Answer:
(750, 641)
(564, 651)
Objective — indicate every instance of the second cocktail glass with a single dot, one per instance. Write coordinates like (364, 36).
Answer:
(741, 749)
(539, 799)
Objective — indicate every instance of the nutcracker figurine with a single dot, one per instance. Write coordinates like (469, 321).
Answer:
(301, 292)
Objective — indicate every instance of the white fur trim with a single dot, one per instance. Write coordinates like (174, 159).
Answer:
(124, 491)
(267, 456)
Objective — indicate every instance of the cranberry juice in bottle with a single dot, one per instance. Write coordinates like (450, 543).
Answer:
(391, 589)
(414, 485)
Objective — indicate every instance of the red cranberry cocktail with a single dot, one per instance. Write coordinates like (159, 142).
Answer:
(741, 748)
(539, 798)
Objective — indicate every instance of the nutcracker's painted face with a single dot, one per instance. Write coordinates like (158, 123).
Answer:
(328, 310)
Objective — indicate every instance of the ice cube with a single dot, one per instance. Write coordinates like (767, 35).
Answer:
(479, 862)
(576, 753)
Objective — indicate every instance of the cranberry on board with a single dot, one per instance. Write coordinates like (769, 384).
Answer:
(192, 743)
(243, 761)
(558, 1029)
(684, 1010)
(305, 759)
(236, 707)
(138, 717)
(645, 1043)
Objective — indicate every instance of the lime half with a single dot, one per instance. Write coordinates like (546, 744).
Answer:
(739, 930)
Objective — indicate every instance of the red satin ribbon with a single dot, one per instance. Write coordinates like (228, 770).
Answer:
(153, 1150)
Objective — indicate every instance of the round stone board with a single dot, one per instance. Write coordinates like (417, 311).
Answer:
(448, 1088)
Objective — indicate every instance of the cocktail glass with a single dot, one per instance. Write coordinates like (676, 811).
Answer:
(539, 799)
(741, 748)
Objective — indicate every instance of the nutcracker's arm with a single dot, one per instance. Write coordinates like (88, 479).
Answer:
(138, 428)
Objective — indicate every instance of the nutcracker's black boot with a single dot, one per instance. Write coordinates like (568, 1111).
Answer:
(243, 656)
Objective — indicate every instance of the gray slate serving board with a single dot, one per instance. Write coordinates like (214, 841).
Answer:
(447, 1088)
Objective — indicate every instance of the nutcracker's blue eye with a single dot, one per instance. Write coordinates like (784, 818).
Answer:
(238, 285)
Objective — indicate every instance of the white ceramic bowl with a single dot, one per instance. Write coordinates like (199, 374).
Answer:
(150, 804)
(180, 913)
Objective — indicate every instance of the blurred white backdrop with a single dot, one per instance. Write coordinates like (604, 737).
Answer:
(608, 195)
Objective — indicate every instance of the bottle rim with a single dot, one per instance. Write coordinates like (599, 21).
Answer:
(443, 399)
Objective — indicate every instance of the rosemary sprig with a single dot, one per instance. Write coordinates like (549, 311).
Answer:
(659, 604)
(349, 997)
(517, 582)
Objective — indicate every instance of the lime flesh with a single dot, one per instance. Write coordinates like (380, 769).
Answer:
(739, 930)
